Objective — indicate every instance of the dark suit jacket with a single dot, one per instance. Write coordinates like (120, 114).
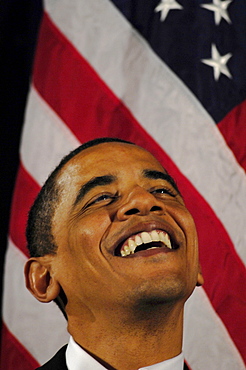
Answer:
(58, 362)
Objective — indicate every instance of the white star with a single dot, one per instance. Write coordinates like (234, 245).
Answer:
(165, 6)
(220, 10)
(218, 62)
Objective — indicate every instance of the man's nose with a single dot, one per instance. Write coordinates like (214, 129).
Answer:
(140, 202)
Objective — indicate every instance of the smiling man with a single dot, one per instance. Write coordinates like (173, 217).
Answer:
(112, 242)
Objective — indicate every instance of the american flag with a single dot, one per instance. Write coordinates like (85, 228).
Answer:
(170, 76)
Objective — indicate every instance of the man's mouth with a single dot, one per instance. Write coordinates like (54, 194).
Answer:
(145, 241)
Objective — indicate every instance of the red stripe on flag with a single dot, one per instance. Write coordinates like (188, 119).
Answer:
(91, 110)
(233, 128)
(13, 354)
(25, 192)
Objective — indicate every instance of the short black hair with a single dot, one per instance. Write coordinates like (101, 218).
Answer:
(40, 240)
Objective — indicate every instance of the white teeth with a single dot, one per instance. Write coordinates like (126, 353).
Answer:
(132, 245)
(127, 250)
(138, 240)
(145, 238)
(155, 236)
(165, 239)
(123, 253)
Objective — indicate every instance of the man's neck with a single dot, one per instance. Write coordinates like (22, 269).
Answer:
(130, 342)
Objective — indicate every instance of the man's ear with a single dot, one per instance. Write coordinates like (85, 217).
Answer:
(39, 281)
(200, 279)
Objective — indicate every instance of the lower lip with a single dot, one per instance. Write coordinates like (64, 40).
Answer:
(150, 252)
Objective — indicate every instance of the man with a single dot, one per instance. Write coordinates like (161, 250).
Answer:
(113, 243)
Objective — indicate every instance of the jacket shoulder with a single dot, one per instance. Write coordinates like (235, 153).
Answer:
(57, 362)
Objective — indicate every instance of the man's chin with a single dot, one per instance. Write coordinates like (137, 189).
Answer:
(160, 296)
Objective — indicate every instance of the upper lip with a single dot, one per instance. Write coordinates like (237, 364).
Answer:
(147, 226)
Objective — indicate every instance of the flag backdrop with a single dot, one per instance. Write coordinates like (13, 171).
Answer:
(169, 76)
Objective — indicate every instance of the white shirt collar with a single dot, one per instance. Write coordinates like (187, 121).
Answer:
(79, 359)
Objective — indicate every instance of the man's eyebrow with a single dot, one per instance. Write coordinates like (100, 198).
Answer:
(153, 174)
(92, 183)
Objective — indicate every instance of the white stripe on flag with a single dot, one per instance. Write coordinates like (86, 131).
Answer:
(45, 138)
(52, 333)
(187, 134)
(207, 344)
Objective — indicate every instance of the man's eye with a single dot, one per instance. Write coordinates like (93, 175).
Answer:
(108, 198)
(164, 191)
(103, 197)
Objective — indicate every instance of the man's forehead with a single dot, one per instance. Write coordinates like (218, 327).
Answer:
(91, 159)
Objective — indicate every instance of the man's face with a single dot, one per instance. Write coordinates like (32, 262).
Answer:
(123, 232)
